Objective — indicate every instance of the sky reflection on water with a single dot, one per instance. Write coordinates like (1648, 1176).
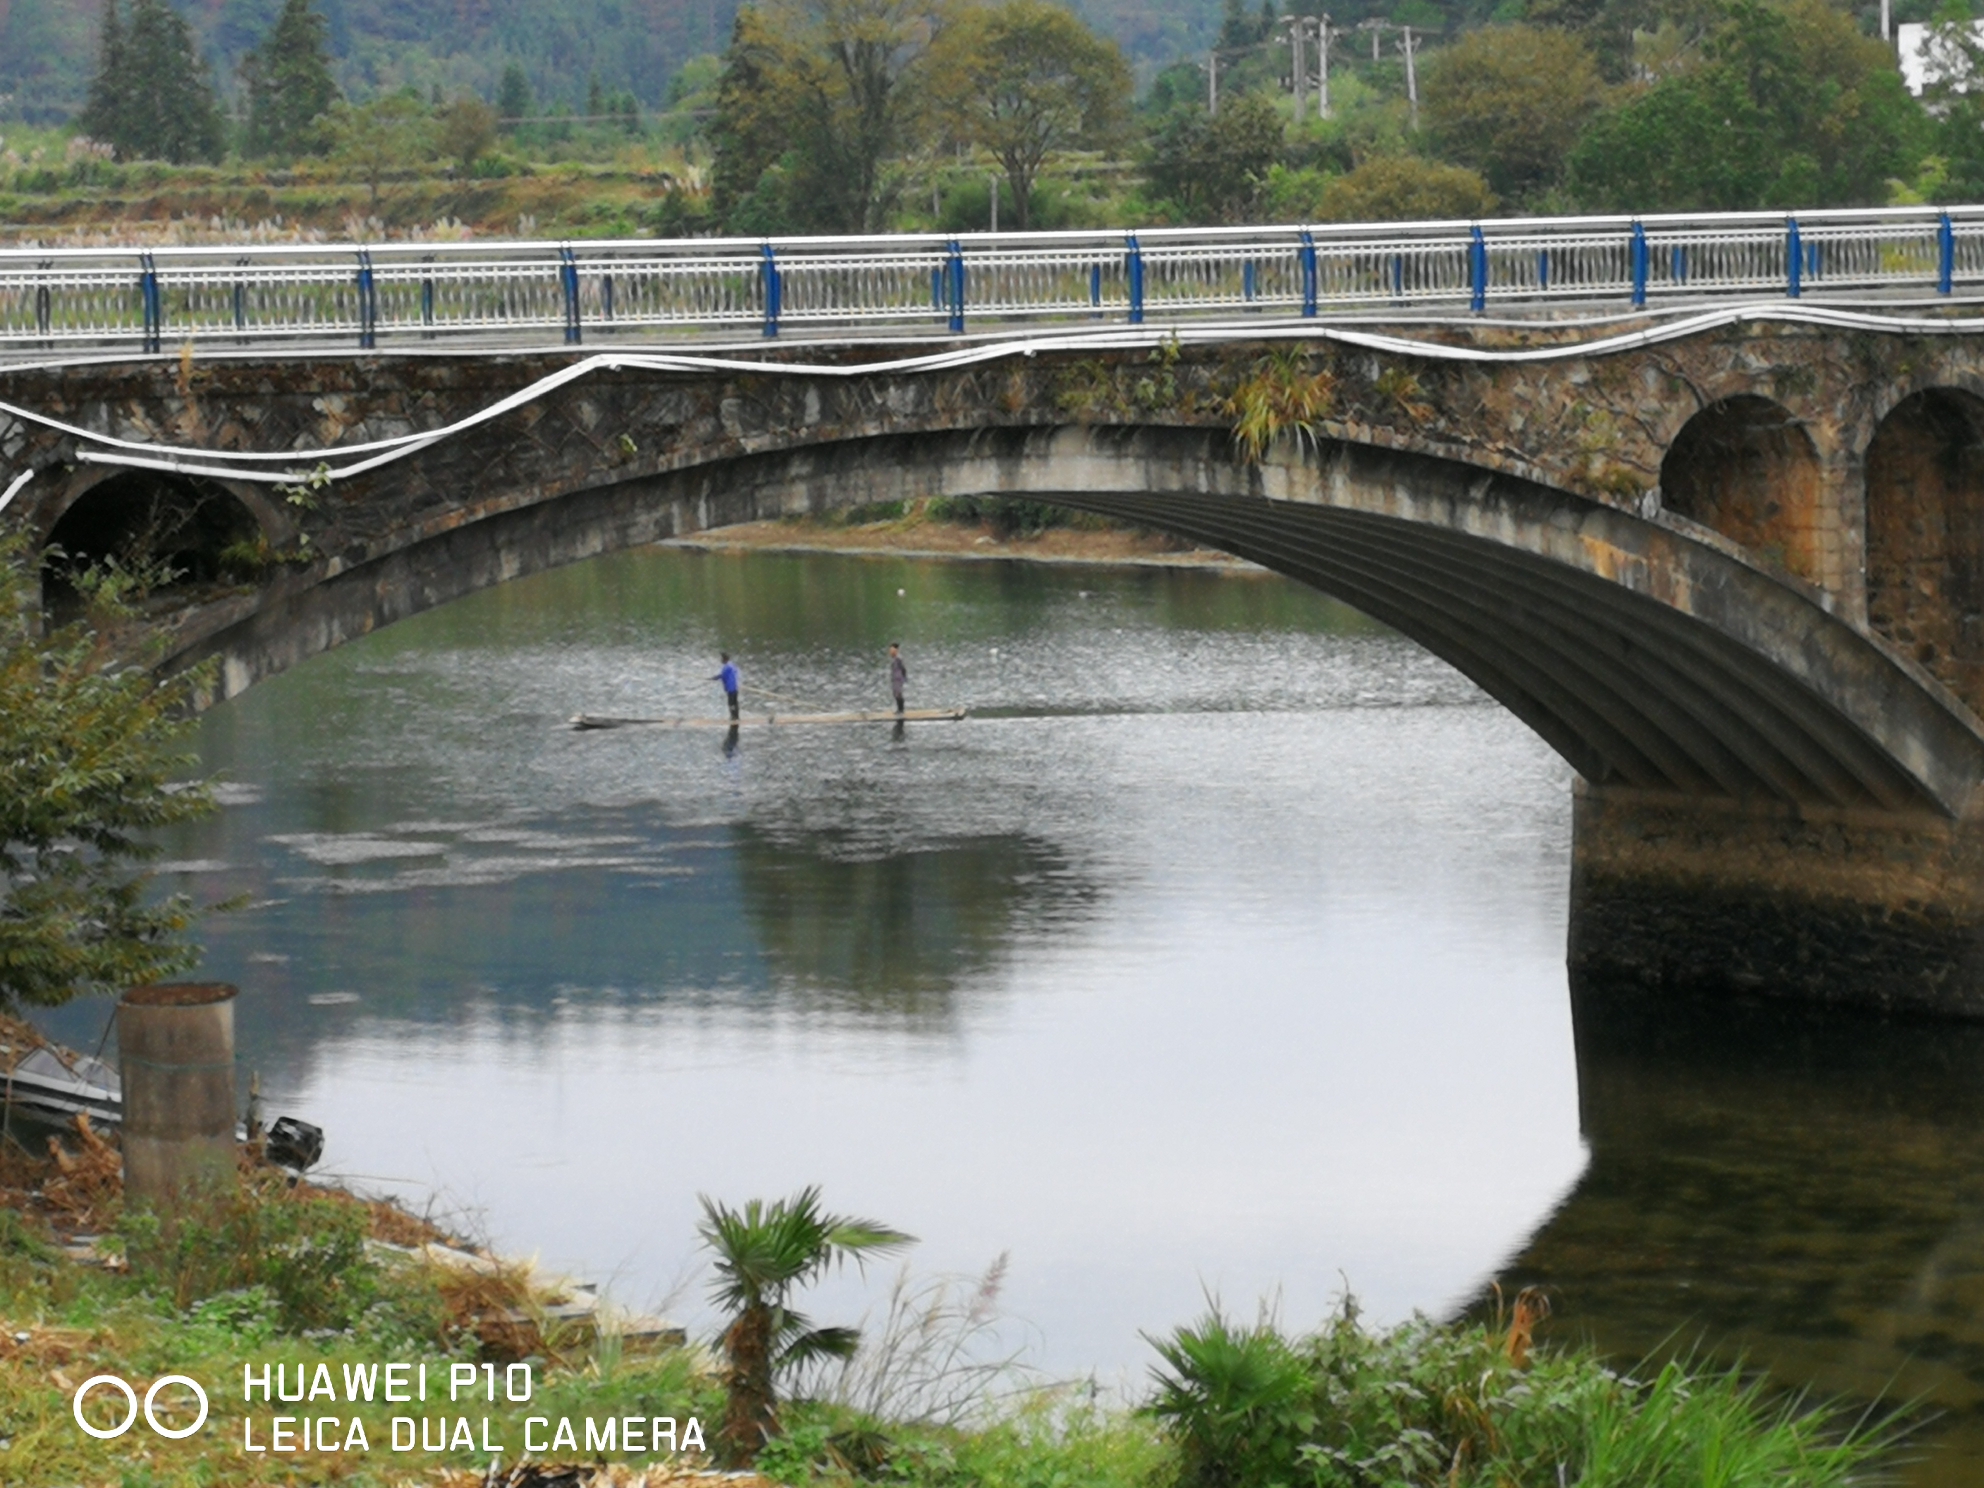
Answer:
(1226, 955)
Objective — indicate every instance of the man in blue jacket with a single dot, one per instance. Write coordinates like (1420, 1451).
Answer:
(728, 677)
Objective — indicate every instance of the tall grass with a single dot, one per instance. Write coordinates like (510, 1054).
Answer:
(1471, 1406)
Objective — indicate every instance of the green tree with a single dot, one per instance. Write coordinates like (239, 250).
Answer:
(818, 101)
(1238, 30)
(1214, 168)
(1025, 79)
(1404, 188)
(762, 1253)
(1607, 27)
(372, 140)
(465, 132)
(106, 114)
(89, 748)
(513, 100)
(1955, 62)
(1790, 106)
(1509, 103)
(151, 98)
(289, 86)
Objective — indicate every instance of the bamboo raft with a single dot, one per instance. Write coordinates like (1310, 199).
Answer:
(773, 720)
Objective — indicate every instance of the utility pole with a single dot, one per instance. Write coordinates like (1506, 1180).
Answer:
(1411, 78)
(995, 203)
(1322, 65)
(1212, 82)
(1887, 20)
(1300, 29)
(1299, 76)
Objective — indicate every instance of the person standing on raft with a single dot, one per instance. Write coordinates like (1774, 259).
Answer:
(728, 677)
(898, 673)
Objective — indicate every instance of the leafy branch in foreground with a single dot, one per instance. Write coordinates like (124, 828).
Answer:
(762, 1253)
(89, 749)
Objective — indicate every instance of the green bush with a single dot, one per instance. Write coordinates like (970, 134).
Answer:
(307, 1253)
(1240, 1401)
(1470, 1407)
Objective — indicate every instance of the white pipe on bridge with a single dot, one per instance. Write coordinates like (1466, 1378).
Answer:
(298, 465)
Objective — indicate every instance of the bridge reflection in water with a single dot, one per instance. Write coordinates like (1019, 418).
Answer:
(1805, 1191)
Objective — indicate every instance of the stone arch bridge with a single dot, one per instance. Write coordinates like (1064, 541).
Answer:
(1735, 577)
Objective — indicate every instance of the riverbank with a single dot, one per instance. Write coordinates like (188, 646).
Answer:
(918, 534)
(297, 1291)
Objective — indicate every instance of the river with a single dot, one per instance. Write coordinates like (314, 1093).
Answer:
(1219, 953)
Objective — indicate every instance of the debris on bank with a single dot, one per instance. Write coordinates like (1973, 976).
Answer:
(70, 1107)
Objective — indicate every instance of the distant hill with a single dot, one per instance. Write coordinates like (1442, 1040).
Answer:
(47, 47)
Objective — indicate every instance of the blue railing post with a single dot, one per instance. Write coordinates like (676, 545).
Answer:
(1543, 270)
(1095, 290)
(427, 302)
(954, 276)
(1639, 265)
(44, 308)
(1477, 270)
(1945, 254)
(1133, 266)
(568, 281)
(368, 303)
(240, 298)
(1398, 278)
(1309, 274)
(152, 302)
(1247, 281)
(768, 270)
(1677, 267)
(1794, 259)
(606, 297)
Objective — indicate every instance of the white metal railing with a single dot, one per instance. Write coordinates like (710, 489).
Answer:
(523, 292)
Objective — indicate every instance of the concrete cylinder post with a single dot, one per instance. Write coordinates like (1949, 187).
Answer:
(176, 1047)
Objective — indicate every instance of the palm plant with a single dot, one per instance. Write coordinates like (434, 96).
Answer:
(762, 1253)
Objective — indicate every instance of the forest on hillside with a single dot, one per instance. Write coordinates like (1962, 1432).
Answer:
(47, 47)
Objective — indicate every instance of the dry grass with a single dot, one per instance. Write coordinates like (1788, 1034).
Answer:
(619, 1475)
(76, 1189)
(508, 1309)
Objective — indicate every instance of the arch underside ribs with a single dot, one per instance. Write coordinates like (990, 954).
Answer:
(1628, 690)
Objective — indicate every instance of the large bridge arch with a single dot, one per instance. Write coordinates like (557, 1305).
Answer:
(1646, 657)
(1772, 794)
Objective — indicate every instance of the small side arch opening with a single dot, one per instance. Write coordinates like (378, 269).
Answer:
(1925, 535)
(1745, 467)
(149, 539)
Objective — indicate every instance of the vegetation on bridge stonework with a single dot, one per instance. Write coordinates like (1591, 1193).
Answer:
(785, 116)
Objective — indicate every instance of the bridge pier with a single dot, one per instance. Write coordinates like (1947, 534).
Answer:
(1865, 908)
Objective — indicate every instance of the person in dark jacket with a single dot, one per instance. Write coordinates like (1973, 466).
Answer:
(898, 673)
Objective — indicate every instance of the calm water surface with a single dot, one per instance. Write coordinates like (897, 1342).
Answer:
(1220, 951)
